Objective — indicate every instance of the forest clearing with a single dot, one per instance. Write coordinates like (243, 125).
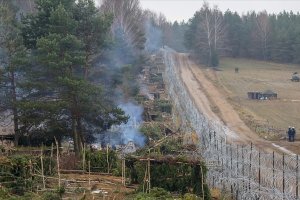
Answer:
(270, 119)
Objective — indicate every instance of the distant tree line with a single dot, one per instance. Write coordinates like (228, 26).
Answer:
(263, 36)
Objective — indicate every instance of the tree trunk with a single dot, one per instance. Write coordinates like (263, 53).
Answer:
(79, 131)
(76, 138)
(14, 108)
(86, 67)
(208, 37)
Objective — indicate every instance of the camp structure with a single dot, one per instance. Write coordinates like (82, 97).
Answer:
(268, 94)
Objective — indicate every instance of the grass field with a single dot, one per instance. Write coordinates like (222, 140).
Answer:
(268, 117)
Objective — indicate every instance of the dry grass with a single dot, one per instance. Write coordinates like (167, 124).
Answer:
(260, 76)
(79, 187)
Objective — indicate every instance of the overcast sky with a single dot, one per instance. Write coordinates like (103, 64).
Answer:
(184, 9)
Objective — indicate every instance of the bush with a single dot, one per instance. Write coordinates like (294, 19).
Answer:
(17, 174)
(164, 106)
(152, 131)
(98, 160)
(4, 195)
(50, 196)
(189, 196)
(155, 194)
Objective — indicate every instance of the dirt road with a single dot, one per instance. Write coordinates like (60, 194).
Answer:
(213, 104)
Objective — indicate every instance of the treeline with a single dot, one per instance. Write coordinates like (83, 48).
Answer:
(263, 36)
(61, 66)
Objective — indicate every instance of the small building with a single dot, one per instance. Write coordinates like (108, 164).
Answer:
(254, 95)
(268, 94)
(6, 136)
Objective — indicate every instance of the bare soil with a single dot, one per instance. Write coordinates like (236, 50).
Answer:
(211, 100)
(100, 187)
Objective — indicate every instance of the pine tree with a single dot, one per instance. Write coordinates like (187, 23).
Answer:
(14, 58)
(63, 97)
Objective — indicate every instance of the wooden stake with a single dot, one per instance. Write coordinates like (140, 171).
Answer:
(57, 160)
(145, 180)
(107, 158)
(149, 175)
(89, 174)
(51, 156)
(202, 182)
(30, 168)
(124, 167)
(83, 158)
(122, 171)
(42, 166)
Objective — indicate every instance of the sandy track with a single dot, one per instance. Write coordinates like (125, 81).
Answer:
(206, 96)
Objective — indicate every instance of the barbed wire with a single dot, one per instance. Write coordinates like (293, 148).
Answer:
(243, 170)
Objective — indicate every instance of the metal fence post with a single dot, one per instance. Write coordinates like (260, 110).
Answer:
(237, 159)
(243, 167)
(259, 171)
(273, 171)
(230, 157)
(297, 177)
(283, 181)
(250, 166)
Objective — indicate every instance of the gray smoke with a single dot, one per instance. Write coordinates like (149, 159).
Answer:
(145, 91)
(154, 37)
(124, 133)
(131, 129)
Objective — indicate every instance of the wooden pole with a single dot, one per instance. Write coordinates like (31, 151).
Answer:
(83, 158)
(149, 175)
(51, 156)
(124, 172)
(57, 160)
(31, 173)
(145, 180)
(202, 181)
(107, 160)
(42, 166)
(89, 174)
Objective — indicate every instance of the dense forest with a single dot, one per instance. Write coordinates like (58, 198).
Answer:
(62, 67)
(263, 36)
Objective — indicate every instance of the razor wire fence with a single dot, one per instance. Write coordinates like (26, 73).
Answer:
(245, 171)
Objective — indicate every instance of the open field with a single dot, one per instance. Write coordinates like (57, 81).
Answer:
(269, 118)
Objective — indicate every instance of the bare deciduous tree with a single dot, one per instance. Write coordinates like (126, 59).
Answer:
(220, 31)
(128, 17)
(211, 32)
(263, 31)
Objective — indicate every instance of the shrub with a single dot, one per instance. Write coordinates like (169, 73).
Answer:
(155, 194)
(50, 196)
